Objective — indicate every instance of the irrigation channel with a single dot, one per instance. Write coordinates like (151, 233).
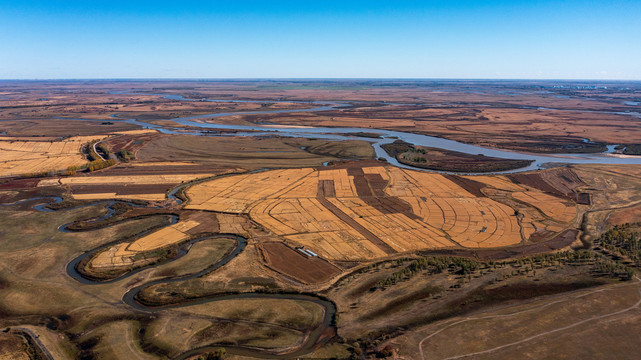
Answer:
(323, 332)
(386, 136)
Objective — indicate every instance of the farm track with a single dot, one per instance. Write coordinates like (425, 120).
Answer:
(96, 151)
(36, 341)
(556, 330)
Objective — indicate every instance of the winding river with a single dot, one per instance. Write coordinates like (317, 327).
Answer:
(539, 161)
(386, 136)
(316, 337)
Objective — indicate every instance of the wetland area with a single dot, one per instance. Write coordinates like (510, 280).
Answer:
(347, 219)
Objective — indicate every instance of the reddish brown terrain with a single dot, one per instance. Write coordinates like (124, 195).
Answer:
(530, 115)
(163, 240)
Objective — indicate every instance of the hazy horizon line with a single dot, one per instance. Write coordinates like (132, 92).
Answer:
(313, 78)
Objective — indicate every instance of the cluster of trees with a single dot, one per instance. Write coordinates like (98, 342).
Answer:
(397, 147)
(578, 256)
(435, 265)
(39, 174)
(561, 257)
(416, 159)
(71, 170)
(213, 355)
(74, 169)
(364, 348)
(601, 266)
(103, 149)
(99, 164)
(415, 150)
(125, 155)
(95, 161)
(624, 241)
(614, 269)
(634, 149)
(464, 164)
(91, 155)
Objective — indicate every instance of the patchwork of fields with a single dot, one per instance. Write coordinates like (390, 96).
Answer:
(141, 181)
(18, 157)
(364, 213)
(267, 242)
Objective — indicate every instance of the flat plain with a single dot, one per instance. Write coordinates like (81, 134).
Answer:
(155, 238)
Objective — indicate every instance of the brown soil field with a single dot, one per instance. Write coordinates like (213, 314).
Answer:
(57, 128)
(12, 184)
(624, 216)
(126, 179)
(561, 182)
(549, 205)
(131, 141)
(370, 212)
(154, 192)
(553, 242)
(625, 170)
(158, 169)
(305, 268)
(251, 153)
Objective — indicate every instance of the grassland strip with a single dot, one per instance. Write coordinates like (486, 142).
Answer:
(635, 306)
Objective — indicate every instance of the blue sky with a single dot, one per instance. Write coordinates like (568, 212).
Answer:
(316, 39)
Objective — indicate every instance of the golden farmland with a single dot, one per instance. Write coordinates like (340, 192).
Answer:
(372, 212)
(259, 244)
(118, 182)
(124, 254)
(28, 156)
(140, 181)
